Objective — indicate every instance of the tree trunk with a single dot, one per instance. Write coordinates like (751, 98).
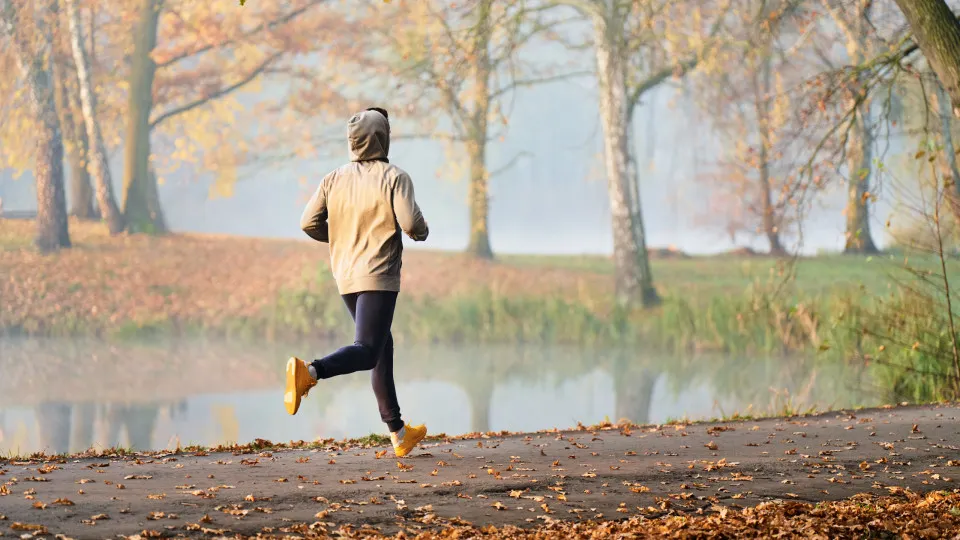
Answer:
(946, 128)
(478, 191)
(136, 176)
(770, 229)
(52, 227)
(75, 145)
(859, 146)
(937, 32)
(36, 69)
(649, 293)
(153, 204)
(761, 94)
(629, 253)
(478, 195)
(859, 162)
(99, 165)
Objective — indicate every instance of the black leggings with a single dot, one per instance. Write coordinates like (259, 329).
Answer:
(372, 312)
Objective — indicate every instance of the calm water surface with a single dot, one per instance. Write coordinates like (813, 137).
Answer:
(68, 395)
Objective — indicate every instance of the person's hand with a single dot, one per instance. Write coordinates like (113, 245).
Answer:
(421, 237)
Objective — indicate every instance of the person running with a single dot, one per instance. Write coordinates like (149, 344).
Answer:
(360, 209)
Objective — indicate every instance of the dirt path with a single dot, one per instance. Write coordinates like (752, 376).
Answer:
(605, 474)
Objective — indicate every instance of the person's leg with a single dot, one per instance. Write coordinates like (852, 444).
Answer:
(301, 376)
(373, 315)
(350, 300)
(384, 388)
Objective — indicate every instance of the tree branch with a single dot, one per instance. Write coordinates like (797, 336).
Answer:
(215, 95)
(513, 161)
(839, 17)
(593, 8)
(433, 136)
(522, 83)
(267, 25)
(657, 78)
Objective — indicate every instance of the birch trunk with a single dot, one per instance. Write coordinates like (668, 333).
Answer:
(136, 178)
(633, 285)
(99, 166)
(36, 69)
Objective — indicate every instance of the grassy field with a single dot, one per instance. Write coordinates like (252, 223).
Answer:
(275, 287)
(733, 273)
(444, 273)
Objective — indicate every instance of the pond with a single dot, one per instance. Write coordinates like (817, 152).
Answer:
(62, 396)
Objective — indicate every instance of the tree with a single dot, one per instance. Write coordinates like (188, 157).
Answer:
(136, 175)
(744, 90)
(188, 56)
(463, 60)
(952, 177)
(96, 149)
(75, 138)
(854, 22)
(33, 49)
(747, 179)
(637, 49)
(936, 30)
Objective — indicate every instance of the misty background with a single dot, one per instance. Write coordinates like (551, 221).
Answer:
(553, 200)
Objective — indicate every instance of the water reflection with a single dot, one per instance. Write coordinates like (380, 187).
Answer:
(68, 395)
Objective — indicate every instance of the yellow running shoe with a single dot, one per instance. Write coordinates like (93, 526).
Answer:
(412, 435)
(299, 382)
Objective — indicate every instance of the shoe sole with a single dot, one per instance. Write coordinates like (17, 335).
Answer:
(291, 398)
(403, 453)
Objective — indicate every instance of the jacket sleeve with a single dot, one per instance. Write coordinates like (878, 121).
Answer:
(407, 211)
(314, 219)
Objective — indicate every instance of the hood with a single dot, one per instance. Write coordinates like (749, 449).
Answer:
(368, 133)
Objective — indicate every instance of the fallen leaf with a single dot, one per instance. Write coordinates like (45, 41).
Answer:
(37, 529)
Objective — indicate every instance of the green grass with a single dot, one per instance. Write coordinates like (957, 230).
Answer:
(730, 274)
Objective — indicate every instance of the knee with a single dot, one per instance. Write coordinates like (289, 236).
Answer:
(367, 357)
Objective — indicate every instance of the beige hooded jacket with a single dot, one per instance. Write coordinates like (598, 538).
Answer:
(361, 209)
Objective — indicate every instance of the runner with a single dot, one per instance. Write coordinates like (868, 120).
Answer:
(360, 209)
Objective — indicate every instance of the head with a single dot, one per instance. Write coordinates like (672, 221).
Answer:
(368, 133)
